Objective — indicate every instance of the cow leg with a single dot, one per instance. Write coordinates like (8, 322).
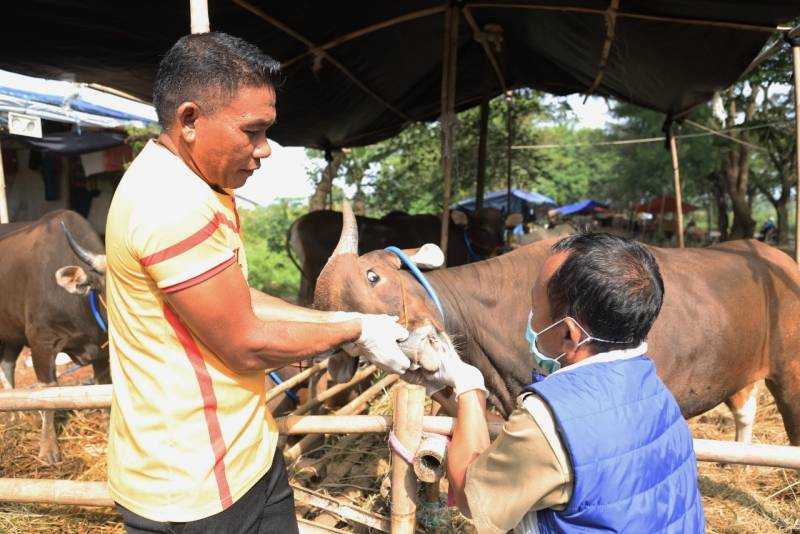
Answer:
(45, 366)
(743, 404)
(785, 387)
(8, 362)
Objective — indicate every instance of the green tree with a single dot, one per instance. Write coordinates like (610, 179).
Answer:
(264, 230)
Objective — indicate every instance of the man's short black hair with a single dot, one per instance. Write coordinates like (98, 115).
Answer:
(209, 69)
(610, 285)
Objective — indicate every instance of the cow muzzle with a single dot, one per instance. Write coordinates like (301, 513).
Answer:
(425, 347)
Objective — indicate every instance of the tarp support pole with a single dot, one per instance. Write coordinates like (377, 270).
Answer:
(673, 148)
(510, 143)
(199, 13)
(448, 120)
(3, 201)
(483, 127)
(794, 40)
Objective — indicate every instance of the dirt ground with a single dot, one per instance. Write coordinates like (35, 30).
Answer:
(737, 499)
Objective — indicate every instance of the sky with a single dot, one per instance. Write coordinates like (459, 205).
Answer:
(283, 174)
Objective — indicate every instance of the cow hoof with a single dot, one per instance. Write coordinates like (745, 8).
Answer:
(49, 455)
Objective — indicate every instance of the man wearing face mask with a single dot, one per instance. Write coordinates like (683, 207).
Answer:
(597, 442)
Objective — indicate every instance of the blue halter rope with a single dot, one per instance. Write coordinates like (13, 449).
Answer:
(97, 317)
(289, 392)
(408, 262)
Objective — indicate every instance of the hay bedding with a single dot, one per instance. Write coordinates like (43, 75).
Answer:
(355, 468)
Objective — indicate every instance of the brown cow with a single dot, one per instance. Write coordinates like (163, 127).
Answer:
(729, 319)
(34, 258)
(474, 236)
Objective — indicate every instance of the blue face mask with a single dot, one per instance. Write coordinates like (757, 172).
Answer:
(546, 363)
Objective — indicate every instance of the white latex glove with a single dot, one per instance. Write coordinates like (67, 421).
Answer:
(378, 343)
(453, 372)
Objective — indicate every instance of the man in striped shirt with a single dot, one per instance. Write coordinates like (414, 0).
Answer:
(191, 445)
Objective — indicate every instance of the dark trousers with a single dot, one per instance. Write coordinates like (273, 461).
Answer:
(268, 507)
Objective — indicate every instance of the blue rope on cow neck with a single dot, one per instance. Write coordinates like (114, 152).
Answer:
(289, 392)
(408, 262)
(471, 254)
(97, 317)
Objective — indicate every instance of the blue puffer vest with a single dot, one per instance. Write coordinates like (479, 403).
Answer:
(631, 451)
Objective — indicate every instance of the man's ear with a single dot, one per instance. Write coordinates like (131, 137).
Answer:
(186, 116)
(572, 337)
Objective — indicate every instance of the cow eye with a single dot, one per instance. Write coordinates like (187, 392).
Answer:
(373, 277)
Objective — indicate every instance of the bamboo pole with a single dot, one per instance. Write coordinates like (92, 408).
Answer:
(83, 493)
(74, 492)
(353, 407)
(734, 452)
(409, 409)
(3, 199)
(483, 127)
(344, 510)
(296, 380)
(309, 527)
(363, 374)
(795, 41)
(637, 16)
(676, 173)
(448, 119)
(56, 398)
(199, 14)
(509, 144)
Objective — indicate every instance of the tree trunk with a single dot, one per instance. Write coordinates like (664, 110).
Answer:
(736, 172)
(359, 201)
(319, 199)
(782, 209)
(718, 192)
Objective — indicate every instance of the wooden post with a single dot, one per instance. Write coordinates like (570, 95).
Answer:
(448, 119)
(199, 15)
(673, 148)
(409, 409)
(3, 200)
(483, 127)
(509, 142)
(796, 60)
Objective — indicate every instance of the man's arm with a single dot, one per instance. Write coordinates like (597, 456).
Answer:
(219, 311)
(470, 439)
(269, 308)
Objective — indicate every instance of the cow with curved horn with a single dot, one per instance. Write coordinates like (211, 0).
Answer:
(474, 236)
(728, 320)
(35, 259)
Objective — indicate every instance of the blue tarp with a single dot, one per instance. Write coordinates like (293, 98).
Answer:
(520, 201)
(71, 102)
(579, 207)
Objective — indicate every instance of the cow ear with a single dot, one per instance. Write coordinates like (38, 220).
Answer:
(73, 279)
(428, 256)
(515, 219)
(459, 217)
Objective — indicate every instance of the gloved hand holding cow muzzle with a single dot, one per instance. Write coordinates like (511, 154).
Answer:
(378, 342)
(452, 372)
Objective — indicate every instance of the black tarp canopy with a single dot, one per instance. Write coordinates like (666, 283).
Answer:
(664, 55)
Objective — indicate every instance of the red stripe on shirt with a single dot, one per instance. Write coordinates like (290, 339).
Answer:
(203, 276)
(192, 241)
(209, 403)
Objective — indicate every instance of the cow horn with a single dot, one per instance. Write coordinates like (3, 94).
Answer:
(348, 242)
(96, 261)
